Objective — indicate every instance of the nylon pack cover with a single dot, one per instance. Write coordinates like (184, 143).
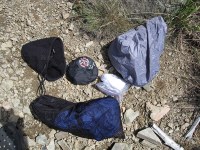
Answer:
(136, 53)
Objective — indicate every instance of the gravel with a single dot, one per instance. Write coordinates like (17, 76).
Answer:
(25, 21)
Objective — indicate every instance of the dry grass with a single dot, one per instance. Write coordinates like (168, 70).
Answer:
(106, 18)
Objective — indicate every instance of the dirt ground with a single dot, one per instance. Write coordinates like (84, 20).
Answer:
(175, 85)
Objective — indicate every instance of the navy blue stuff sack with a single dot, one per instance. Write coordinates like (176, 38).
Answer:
(96, 119)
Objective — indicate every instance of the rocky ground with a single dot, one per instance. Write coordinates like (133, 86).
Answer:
(170, 99)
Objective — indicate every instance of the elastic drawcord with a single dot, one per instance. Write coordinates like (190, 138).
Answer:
(41, 88)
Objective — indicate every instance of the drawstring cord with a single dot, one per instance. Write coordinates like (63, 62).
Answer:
(41, 88)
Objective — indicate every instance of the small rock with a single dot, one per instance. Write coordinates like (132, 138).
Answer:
(187, 120)
(157, 112)
(163, 101)
(148, 135)
(148, 87)
(15, 102)
(6, 105)
(175, 98)
(63, 145)
(130, 115)
(52, 133)
(65, 15)
(29, 141)
(6, 45)
(28, 22)
(183, 127)
(28, 90)
(77, 50)
(51, 145)
(61, 135)
(177, 129)
(170, 125)
(97, 64)
(135, 139)
(90, 147)
(123, 109)
(41, 139)
(89, 44)
(19, 113)
(86, 37)
(171, 131)
(78, 145)
(70, 5)
(26, 110)
(121, 146)
(148, 144)
(71, 27)
(7, 85)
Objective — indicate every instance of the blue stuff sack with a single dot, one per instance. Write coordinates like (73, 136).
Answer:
(96, 119)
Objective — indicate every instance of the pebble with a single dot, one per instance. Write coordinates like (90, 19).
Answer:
(163, 101)
(184, 126)
(6, 45)
(51, 145)
(130, 116)
(30, 142)
(175, 98)
(148, 144)
(26, 110)
(135, 139)
(121, 146)
(70, 5)
(71, 27)
(89, 44)
(28, 90)
(171, 131)
(148, 135)
(7, 85)
(28, 22)
(170, 125)
(148, 87)
(61, 135)
(15, 102)
(6, 105)
(77, 145)
(123, 109)
(41, 139)
(52, 133)
(65, 15)
(90, 147)
(187, 120)
(63, 145)
(157, 112)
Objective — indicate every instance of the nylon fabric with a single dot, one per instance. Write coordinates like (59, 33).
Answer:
(96, 119)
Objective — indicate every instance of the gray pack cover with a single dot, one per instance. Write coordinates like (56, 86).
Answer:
(136, 53)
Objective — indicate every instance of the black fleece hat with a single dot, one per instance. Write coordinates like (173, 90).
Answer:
(82, 71)
(46, 57)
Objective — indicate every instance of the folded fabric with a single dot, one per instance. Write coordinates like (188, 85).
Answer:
(136, 53)
(96, 119)
(46, 57)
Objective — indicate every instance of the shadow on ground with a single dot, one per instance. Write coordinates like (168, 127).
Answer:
(11, 130)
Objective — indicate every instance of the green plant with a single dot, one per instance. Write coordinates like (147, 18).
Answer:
(187, 18)
(105, 17)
